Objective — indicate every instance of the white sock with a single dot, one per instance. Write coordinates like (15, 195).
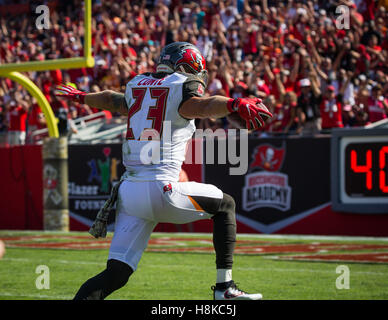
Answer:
(224, 275)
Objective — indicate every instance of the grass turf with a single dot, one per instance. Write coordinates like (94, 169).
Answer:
(188, 276)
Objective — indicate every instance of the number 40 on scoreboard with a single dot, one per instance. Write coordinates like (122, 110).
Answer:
(360, 170)
(375, 166)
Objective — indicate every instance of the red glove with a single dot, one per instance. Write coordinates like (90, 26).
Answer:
(253, 111)
(69, 92)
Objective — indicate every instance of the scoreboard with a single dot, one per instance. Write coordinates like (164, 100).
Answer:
(359, 170)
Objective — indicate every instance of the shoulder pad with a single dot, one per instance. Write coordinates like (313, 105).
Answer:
(192, 77)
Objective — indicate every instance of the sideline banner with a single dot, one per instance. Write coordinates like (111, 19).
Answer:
(93, 170)
(286, 179)
(285, 190)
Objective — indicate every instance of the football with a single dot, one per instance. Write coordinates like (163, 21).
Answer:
(235, 119)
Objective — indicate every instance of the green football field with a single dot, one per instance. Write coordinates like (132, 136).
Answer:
(182, 266)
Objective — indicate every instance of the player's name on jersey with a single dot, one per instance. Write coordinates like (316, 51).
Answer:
(150, 82)
(75, 189)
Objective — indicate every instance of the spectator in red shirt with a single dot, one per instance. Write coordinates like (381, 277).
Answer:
(17, 118)
(36, 119)
(331, 109)
(377, 106)
(285, 114)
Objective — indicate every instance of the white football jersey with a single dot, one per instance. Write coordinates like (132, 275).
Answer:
(157, 135)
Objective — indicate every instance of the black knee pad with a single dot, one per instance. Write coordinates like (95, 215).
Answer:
(119, 272)
(226, 212)
(227, 205)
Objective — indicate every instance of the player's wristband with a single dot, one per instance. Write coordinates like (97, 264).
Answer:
(232, 105)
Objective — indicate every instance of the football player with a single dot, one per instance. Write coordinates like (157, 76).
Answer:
(164, 105)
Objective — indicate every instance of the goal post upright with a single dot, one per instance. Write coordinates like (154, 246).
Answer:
(12, 70)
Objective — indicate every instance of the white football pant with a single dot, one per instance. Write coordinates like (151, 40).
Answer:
(142, 205)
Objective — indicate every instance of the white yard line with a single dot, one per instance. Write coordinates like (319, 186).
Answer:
(279, 236)
(55, 261)
(102, 263)
(37, 296)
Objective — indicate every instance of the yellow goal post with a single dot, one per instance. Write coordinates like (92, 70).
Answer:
(12, 70)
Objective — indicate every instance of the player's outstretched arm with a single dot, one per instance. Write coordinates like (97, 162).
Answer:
(211, 107)
(105, 100)
(252, 111)
(108, 100)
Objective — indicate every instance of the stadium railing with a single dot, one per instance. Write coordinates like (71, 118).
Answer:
(85, 126)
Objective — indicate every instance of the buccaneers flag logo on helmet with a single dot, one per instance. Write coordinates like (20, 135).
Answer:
(193, 59)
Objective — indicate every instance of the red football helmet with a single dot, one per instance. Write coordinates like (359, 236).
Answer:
(183, 57)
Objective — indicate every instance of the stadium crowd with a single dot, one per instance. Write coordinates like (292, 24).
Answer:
(316, 67)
